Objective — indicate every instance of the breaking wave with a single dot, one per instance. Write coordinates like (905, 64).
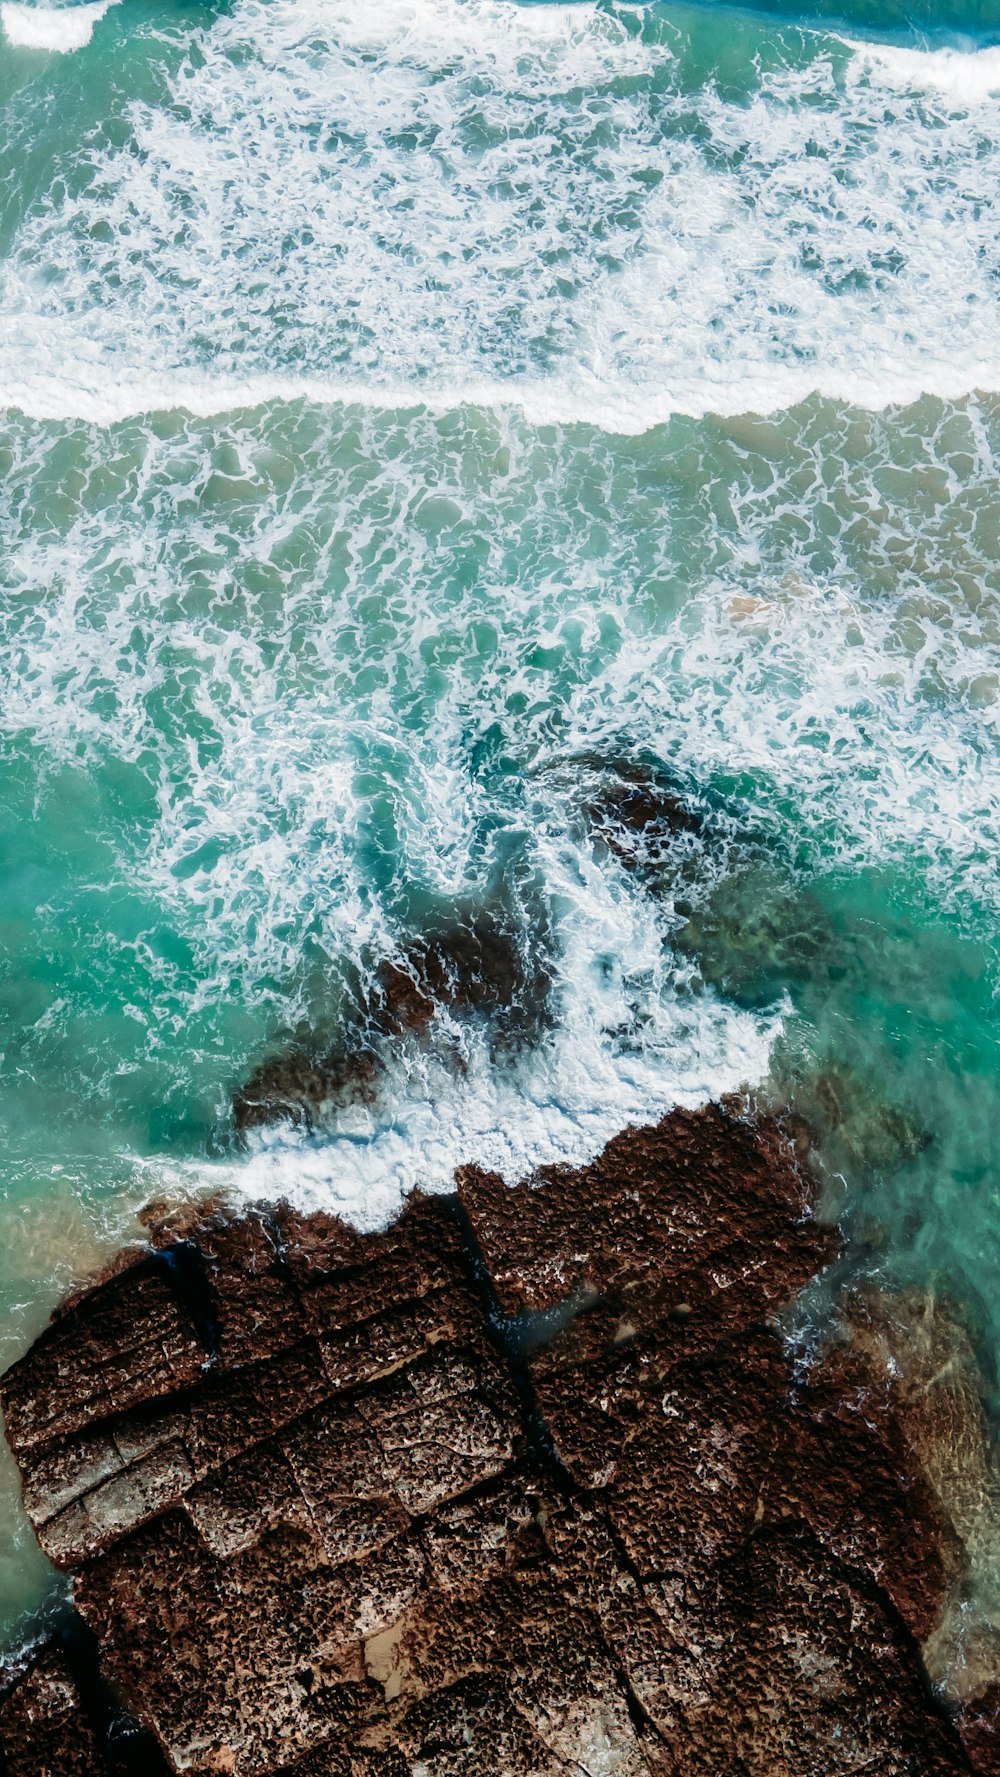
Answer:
(58, 28)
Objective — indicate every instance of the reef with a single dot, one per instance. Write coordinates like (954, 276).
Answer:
(530, 1483)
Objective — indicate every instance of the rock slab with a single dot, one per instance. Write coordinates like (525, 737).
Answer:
(526, 1485)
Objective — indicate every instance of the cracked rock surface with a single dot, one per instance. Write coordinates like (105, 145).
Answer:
(525, 1485)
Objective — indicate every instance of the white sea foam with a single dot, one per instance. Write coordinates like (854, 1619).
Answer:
(562, 1108)
(556, 208)
(815, 692)
(962, 77)
(310, 632)
(59, 28)
(871, 712)
(306, 626)
(630, 1043)
(628, 409)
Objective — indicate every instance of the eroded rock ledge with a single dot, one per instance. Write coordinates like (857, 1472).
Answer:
(526, 1485)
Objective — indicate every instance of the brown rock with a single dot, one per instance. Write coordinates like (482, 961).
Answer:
(332, 1513)
(44, 1729)
(708, 1209)
(636, 810)
(633, 808)
(125, 1342)
(979, 1726)
(299, 1084)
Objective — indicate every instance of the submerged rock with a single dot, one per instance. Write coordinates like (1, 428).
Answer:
(526, 1484)
(297, 1085)
(757, 934)
(490, 966)
(853, 1128)
(921, 1359)
(636, 809)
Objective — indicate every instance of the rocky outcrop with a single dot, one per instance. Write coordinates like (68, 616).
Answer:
(527, 1484)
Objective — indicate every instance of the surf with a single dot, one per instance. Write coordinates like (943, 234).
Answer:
(61, 29)
(818, 222)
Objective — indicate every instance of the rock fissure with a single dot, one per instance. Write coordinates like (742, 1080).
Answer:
(127, 1748)
(512, 1339)
(183, 1265)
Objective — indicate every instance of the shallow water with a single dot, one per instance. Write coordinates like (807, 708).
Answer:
(404, 412)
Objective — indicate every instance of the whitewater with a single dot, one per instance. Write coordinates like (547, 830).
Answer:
(711, 229)
(409, 417)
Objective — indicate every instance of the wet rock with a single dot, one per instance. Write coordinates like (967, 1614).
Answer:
(298, 1085)
(44, 1728)
(60, 1718)
(492, 966)
(706, 1210)
(482, 965)
(979, 1726)
(636, 810)
(168, 1221)
(528, 1483)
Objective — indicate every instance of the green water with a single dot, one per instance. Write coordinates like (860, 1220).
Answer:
(399, 416)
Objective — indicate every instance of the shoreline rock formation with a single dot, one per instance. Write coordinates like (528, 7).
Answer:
(528, 1484)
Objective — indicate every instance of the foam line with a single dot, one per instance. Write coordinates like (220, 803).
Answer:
(617, 409)
(576, 1100)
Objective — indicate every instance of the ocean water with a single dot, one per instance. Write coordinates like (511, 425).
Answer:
(412, 418)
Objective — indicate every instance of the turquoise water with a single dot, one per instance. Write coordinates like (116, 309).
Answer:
(404, 413)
